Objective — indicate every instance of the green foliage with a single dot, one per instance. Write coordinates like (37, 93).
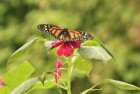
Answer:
(94, 52)
(119, 84)
(16, 82)
(94, 42)
(32, 84)
(5, 90)
(47, 84)
(25, 86)
(15, 77)
(24, 49)
(82, 65)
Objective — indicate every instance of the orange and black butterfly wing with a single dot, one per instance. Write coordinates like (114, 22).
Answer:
(51, 29)
(75, 35)
(72, 35)
(79, 35)
(55, 31)
(64, 34)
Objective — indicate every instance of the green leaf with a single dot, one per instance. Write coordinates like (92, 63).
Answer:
(25, 86)
(97, 42)
(122, 85)
(82, 65)
(47, 84)
(94, 42)
(119, 84)
(42, 78)
(107, 51)
(24, 49)
(4, 90)
(94, 52)
(15, 77)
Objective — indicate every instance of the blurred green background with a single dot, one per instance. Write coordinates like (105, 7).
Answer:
(115, 22)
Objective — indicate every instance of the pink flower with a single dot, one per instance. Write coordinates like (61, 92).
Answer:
(59, 64)
(57, 75)
(0, 83)
(58, 70)
(66, 48)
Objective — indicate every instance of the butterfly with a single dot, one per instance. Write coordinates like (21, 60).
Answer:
(63, 33)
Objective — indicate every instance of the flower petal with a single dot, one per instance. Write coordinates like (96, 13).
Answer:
(56, 43)
(0, 83)
(57, 75)
(75, 44)
(68, 51)
(61, 50)
(65, 49)
(58, 64)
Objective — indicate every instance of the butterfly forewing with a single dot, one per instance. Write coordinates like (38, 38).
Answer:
(75, 35)
(51, 29)
(87, 36)
(44, 27)
(64, 34)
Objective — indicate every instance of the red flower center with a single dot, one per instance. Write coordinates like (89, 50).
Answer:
(66, 48)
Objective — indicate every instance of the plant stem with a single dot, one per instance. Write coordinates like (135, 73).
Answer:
(69, 78)
(92, 88)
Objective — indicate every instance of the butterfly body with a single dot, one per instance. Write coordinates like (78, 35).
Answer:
(63, 33)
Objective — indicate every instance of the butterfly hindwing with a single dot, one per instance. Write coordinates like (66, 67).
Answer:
(64, 34)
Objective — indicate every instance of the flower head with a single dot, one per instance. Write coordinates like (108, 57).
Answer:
(66, 48)
(58, 70)
(0, 83)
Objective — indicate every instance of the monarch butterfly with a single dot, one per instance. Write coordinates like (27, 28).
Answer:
(63, 33)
